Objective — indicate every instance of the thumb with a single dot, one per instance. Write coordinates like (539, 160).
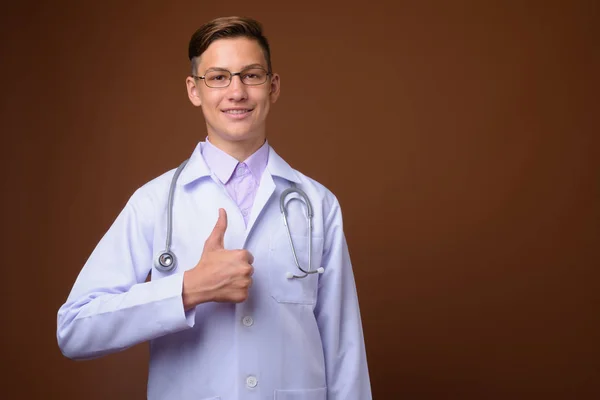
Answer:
(216, 238)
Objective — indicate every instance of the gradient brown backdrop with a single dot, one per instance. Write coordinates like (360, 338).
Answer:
(460, 137)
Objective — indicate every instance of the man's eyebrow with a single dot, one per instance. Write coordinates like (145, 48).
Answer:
(216, 69)
(242, 69)
(253, 66)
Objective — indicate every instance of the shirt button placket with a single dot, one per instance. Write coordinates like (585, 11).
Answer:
(241, 169)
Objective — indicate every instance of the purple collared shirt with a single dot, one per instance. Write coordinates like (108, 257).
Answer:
(241, 179)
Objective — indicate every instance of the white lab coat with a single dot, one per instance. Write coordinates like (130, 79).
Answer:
(294, 339)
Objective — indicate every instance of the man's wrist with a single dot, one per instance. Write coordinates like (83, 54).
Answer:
(191, 296)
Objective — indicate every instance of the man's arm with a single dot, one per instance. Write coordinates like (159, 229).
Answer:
(338, 317)
(110, 306)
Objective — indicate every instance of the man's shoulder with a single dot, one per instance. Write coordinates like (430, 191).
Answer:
(306, 180)
(279, 166)
(154, 191)
(158, 182)
(316, 190)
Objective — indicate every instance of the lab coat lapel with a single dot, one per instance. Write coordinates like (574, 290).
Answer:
(276, 167)
(265, 191)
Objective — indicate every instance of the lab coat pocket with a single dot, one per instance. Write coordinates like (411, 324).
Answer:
(307, 394)
(281, 262)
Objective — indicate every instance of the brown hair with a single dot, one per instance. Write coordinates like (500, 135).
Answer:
(223, 28)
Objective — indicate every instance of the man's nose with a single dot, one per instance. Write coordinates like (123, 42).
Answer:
(237, 90)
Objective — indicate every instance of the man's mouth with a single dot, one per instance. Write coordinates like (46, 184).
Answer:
(237, 111)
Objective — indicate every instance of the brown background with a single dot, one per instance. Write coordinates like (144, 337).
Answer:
(461, 139)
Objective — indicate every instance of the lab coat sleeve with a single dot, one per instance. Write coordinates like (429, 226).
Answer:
(110, 306)
(338, 317)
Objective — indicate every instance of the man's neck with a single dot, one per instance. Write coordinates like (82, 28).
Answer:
(239, 150)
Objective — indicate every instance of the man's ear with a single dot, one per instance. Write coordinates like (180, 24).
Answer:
(193, 91)
(275, 87)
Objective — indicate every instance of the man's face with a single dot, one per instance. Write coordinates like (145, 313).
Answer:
(238, 112)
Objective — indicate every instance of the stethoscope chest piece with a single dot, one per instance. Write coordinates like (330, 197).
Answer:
(165, 261)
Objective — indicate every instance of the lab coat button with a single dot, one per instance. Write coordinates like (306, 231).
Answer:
(248, 321)
(251, 381)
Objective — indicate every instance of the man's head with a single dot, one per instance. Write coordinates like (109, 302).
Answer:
(232, 79)
(226, 28)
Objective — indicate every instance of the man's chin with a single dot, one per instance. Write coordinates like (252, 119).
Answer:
(239, 136)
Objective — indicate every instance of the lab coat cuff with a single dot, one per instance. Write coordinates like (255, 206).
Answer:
(171, 287)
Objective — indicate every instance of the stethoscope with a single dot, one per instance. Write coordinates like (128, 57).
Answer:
(166, 260)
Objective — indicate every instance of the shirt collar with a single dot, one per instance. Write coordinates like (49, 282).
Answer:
(219, 162)
(257, 162)
(197, 166)
(223, 165)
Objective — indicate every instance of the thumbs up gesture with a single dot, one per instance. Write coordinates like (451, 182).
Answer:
(220, 275)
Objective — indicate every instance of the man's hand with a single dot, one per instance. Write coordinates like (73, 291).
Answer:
(220, 275)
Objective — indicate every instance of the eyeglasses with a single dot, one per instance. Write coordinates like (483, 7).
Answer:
(220, 78)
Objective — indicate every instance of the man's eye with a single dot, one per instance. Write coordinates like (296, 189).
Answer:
(217, 77)
(250, 76)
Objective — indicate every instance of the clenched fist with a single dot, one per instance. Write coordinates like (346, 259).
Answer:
(220, 275)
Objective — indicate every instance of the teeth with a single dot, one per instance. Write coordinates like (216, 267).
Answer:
(236, 111)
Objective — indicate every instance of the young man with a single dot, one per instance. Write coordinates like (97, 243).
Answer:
(235, 318)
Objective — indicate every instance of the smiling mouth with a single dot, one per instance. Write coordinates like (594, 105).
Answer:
(238, 112)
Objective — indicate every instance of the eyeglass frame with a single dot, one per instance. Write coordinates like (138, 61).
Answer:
(232, 74)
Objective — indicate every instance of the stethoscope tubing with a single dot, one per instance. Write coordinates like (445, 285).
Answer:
(309, 216)
(166, 260)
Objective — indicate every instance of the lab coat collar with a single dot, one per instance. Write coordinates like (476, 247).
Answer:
(197, 168)
(278, 167)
